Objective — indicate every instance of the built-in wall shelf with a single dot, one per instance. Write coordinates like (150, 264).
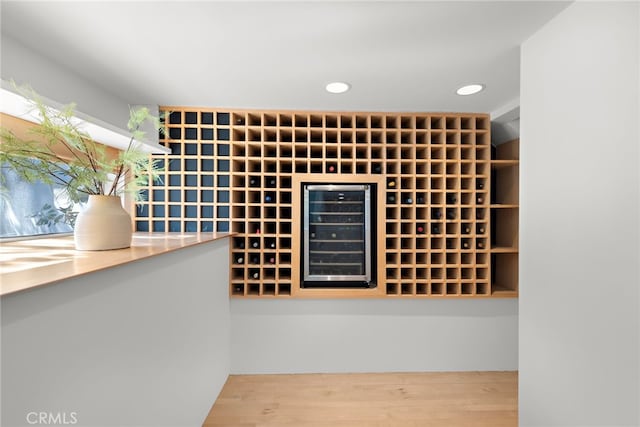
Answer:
(505, 169)
(238, 171)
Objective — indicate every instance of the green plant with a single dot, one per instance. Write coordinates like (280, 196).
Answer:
(51, 215)
(59, 152)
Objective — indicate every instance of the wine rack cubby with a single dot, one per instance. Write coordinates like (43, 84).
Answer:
(442, 226)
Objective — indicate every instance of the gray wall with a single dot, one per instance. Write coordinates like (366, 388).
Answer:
(144, 344)
(58, 83)
(579, 297)
(300, 336)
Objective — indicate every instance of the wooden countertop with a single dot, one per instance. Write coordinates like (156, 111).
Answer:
(26, 264)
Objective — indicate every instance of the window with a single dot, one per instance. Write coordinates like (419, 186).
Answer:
(31, 209)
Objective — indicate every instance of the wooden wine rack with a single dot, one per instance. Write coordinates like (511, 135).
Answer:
(239, 171)
(193, 194)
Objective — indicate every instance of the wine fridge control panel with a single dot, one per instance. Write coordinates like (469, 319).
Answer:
(337, 243)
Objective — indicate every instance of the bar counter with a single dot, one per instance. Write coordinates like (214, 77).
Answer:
(27, 264)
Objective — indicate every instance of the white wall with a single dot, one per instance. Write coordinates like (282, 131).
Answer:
(302, 336)
(144, 344)
(58, 83)
(579, 279)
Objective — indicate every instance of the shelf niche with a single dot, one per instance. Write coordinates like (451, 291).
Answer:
(505, 169)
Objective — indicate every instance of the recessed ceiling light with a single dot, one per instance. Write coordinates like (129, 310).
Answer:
(470, 89)
(338, 87)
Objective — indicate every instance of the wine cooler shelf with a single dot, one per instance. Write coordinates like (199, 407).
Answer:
(447, 214)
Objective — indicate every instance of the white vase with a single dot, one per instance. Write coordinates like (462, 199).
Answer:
(102, 225)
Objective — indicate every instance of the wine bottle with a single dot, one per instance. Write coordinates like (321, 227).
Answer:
(391, 198)
(254, 182)
(331, 169)
(377, 168)
(255, 275)
(466, 229)
(240, 244)
(268, 198)
(255, 260)
(255, 243)
(480, 244)
(435, 228)
(465, 244)
(420, 200)
(480, 229)
(479, 199)
(271, 182)
(451, 213)
(479, 184)
(272, 260)
(408, 200)
(391, 183)
(239, 260)
(271, 243)
(451, 199)
(420, 229)
(436, 213)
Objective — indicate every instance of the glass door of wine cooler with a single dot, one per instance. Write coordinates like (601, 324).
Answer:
(337, 235)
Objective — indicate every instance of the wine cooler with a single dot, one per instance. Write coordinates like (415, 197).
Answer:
(338, 242)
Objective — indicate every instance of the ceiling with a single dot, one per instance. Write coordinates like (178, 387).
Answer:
(398, 56)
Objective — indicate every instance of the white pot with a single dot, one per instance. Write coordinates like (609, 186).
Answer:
(102, 225)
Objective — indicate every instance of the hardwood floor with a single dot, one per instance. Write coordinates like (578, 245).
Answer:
(447, 399)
